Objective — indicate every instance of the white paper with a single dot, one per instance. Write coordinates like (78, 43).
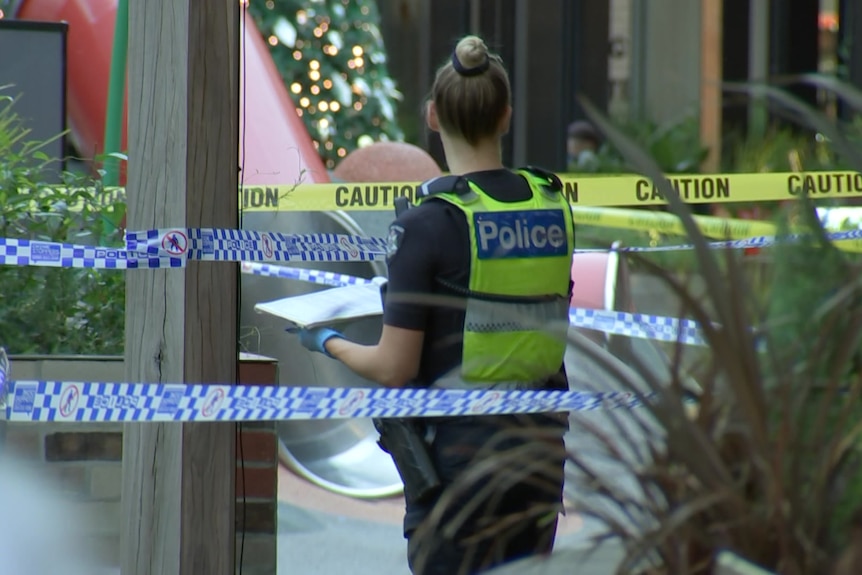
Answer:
(328, 306)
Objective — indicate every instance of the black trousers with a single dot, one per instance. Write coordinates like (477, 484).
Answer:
(502, 482)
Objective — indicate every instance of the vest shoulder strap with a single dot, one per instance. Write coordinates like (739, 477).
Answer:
(548, 180)
(428, 189)
(450, 184)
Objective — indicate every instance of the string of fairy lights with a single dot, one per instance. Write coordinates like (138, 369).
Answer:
(331, 56)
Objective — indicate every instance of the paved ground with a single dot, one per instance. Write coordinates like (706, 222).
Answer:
(320, 532)
(314, 542)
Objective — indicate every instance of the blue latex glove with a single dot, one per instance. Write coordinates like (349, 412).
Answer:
(314, 339)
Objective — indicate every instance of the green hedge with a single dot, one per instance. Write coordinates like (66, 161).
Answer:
(55, 310)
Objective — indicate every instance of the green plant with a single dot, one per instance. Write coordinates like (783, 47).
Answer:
(55, 310)
(779, 150)
(784, 149)
(766, 464)
(675, 146)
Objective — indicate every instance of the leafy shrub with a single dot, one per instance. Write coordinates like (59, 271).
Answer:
(55, 310)
(675, 146)
(785, 149)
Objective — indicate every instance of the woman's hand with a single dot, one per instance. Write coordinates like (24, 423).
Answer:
(315, 339)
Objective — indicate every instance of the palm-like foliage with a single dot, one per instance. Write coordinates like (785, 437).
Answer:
(768, 465)
(762, 458)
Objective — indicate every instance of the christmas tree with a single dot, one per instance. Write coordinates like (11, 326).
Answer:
(330, 54)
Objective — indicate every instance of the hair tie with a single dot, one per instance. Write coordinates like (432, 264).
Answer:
(475, 71)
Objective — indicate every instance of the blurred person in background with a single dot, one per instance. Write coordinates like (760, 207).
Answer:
(582, 145)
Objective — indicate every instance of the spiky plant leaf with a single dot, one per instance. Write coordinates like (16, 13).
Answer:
(763, 465)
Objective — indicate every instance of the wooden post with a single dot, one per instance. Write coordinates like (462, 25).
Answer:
(178, 479)
(712, 20)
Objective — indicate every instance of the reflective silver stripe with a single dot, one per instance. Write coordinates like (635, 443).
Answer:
(494, 317)
(423, 191)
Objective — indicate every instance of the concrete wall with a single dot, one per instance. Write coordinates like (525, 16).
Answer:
(672, 58)
(620, 57)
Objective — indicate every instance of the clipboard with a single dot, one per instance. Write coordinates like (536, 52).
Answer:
(328, 306)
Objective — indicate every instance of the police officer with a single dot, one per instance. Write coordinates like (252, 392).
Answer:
(477, 298)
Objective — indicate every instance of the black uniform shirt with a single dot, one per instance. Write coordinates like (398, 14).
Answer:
(431, 241)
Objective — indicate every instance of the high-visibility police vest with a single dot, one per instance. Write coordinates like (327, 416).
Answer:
(520, 267)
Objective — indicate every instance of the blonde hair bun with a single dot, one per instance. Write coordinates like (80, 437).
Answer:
(472, 52)
(471, 92)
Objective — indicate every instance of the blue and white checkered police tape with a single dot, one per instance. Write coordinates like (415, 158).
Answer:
(753, 242)
(318, 277)
(211, 244)
(24, 252)
(237, 245)
(27, 252)
(613, 322)
(638, 325)
(172, 248)
(57, 401)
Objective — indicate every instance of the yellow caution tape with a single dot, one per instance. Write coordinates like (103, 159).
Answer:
(665, 223)
(592, 191)
(586, 193)
(580, 190)
(715, 188)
